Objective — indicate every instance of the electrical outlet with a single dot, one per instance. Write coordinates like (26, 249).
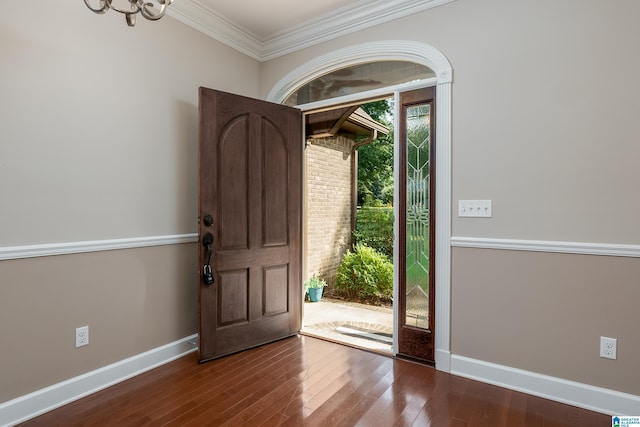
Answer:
(82, 336)
(608, 347)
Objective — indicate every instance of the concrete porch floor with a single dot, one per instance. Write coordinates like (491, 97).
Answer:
(354, 324)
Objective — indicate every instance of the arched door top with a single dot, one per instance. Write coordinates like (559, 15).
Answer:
(388, 50)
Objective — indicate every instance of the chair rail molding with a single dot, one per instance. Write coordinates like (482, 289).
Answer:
(50, 249)
(580, 248)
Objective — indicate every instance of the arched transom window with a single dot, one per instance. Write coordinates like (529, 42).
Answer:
(359, 78)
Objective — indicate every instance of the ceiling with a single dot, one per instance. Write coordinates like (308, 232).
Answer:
(265, 30)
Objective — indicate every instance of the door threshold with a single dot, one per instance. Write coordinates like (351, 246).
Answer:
(346, 342)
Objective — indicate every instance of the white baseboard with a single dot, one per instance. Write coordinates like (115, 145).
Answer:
(585, 396)
(33, 404)
(443, 360)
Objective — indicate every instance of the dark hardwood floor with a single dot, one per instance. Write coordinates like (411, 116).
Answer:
(307, 381)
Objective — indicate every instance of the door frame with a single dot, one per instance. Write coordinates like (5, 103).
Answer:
(421, 53)
(412, 335)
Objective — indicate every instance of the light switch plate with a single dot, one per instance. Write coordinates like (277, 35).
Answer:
(475, 208)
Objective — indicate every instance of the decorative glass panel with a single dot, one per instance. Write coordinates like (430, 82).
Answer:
(359, 78)
(418, 180)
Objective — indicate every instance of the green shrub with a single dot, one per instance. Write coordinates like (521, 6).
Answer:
(365, 274)
(374, 228)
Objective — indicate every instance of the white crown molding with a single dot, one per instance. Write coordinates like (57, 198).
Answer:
(582, 248)
(347, 20)
(33, 404)
(33, 251)
(585, 396)
(343, 21)
(216, 26)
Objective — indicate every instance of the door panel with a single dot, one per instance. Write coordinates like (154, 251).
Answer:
(233, 179)
(250, 183)
(417, 228)
(276, 290)
(233, 304)
(275, 226)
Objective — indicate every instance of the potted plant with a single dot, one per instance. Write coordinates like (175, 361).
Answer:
(314, 287)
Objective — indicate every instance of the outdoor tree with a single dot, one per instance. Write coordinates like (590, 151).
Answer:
(375, 160)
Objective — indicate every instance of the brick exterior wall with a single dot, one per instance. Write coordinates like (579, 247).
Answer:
(328, 205)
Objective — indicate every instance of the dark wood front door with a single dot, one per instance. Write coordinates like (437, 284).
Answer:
(250, 192)
(416, 285)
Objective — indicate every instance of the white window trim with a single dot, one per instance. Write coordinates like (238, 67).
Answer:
(404, 50)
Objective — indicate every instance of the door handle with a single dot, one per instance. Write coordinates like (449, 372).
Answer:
(207, 274)
(207, 241)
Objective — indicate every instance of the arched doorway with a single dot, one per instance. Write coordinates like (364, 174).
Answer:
(420, 53)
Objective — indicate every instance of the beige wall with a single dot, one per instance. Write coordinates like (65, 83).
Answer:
(545, 313)
(544, 105)
(544, 112)
(132, 300)
(98, 122)
(329, 205)
(98, 137)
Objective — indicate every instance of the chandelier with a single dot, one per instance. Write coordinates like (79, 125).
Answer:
(148, 10)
